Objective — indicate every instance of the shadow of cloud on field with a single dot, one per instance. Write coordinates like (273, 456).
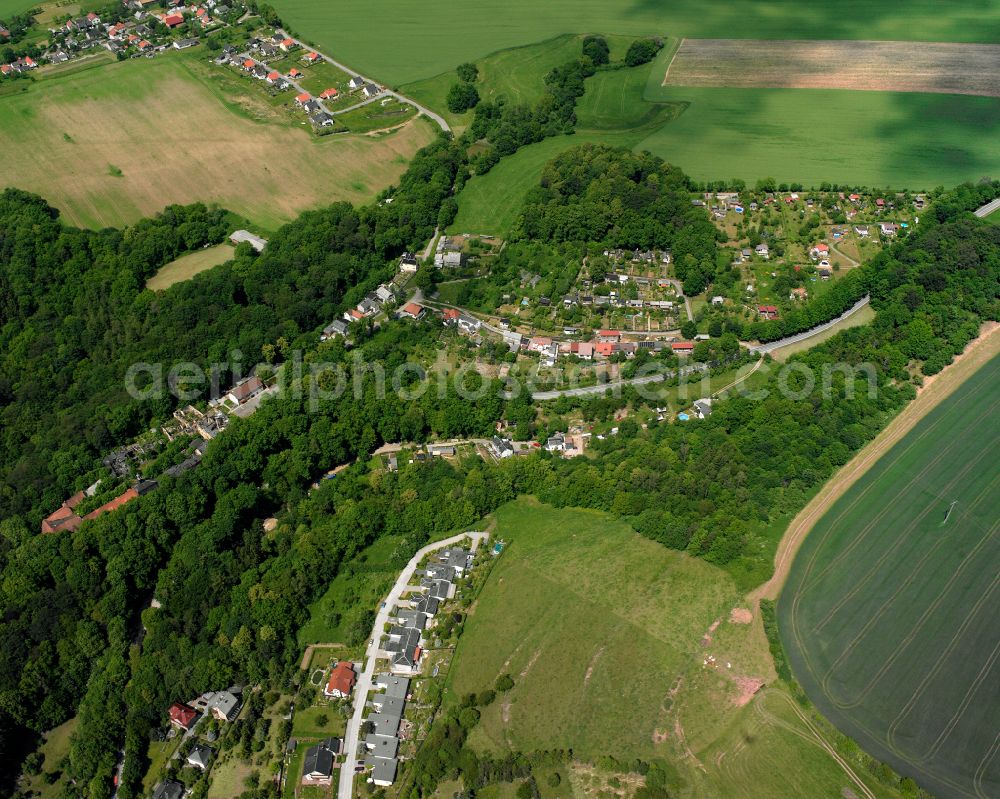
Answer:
(943, 127)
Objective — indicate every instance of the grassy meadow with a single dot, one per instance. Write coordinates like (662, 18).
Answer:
(889, 614)
(187, 266)
(605, 634)
(93, 143)
(416, 41)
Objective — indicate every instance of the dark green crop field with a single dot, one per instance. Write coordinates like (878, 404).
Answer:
(890, 612)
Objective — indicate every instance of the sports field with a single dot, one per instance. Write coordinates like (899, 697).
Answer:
(940, 67)
(889, 614)
(414, 41)
(605, 635)
(113, 143)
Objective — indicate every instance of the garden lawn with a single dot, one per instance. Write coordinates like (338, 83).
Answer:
(889, 613)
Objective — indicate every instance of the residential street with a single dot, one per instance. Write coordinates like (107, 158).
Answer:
(425, 111)
(364, 683)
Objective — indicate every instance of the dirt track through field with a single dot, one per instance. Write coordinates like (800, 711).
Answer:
(936, 67)
(934, 391)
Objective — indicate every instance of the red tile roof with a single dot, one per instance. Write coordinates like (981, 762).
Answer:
(342, 678)
(605, 348)
(328, 93)
(451, 313)
(413, 309)
(609, 333)
(273, 75)
(682, 346)
(170, 20)
(303, 98)
(114, 504)
(182, 715)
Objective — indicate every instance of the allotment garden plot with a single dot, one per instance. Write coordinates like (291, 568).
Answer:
(890, 615)
(937, 67)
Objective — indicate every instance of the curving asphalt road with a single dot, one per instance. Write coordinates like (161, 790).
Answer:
(440, 120)
(771, 346)
(364, 684)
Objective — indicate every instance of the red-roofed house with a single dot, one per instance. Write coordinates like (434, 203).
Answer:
(605, 349)
(609, 335)
(273, 77)
(341, 682)
(6, 69)
(820, 250)
(328, 94)
(248, 64)
(450, 315)
(682, 347)
(287, 44)
(200, 12)
(64, 518)
(144, 45)
(182, 715)
(173, 20)
(311, 58)
(303, 98)
(293, 73)
(539, 343)
(880, 202)
(767, 311)
(113, 504)
(413, 310)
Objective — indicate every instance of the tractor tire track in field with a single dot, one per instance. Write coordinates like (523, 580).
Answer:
(934, 392)
(957, 478)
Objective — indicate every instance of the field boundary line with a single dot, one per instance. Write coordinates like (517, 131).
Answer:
(976, 354)
(666, 73)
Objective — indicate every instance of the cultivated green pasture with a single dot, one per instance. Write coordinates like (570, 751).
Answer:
(889, 614)
(187, 266)
(412, 41)
(605, 635)
(902, 140)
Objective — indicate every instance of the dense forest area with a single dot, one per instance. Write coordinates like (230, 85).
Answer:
(78, 635)
(74, 314)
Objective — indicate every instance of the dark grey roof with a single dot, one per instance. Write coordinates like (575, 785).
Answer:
(318, 761)
(382, 745)
(168, 790)
(393, 685)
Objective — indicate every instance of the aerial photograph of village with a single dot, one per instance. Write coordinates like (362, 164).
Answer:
(577, 400)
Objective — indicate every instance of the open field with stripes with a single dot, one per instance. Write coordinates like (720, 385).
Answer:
(936, 67)
(889, 614)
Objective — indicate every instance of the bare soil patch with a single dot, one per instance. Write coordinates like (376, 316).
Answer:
(741, 616)
(747, 688)
(936, 67)
(934, 391)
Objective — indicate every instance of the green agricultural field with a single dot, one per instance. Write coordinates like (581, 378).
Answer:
(415, 41)
(889, 614)
(605, 635)
(809, 136)
(187, 266)
(91, 143)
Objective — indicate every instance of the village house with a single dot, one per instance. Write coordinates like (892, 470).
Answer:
(335, 328)
(168, 789)
(609, 336)
(287, 45)
(767, 311)
(412, 310)
(341, 682)
(763, 251)
(370, 90)
(408, 263)
(328, 94)
(199, 757)
(702, 408)
(862, 231)
(245, 389)
(682, 347)
(820, 250)
(182, 716)
(318, 763)
(889, 228)
(322, 119)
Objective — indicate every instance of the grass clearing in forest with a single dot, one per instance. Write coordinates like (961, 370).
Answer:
(888, 613)
(189, 265)
(227, 146)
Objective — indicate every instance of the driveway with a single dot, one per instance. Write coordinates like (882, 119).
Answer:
(364, 684)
